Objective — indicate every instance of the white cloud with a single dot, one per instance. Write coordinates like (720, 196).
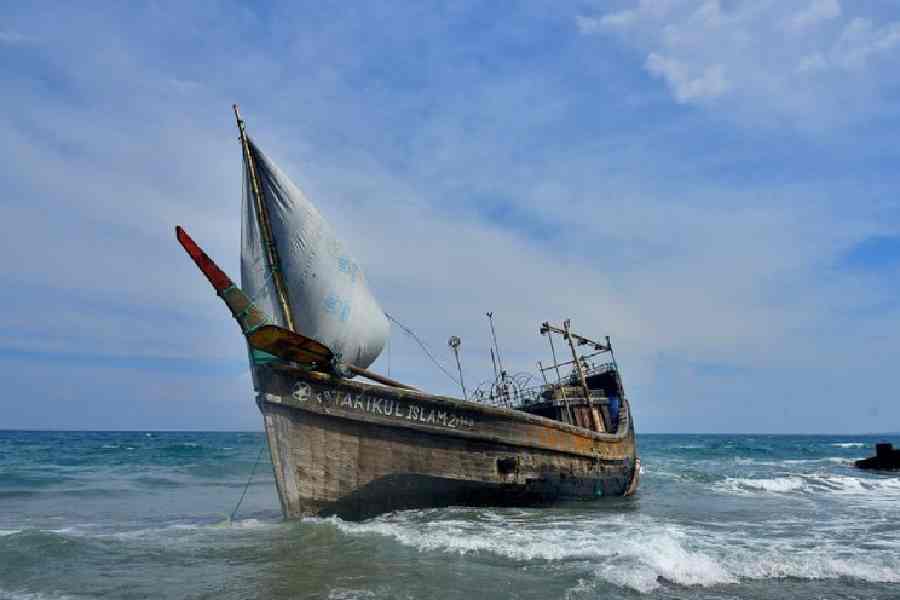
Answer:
(646, 241)
(645, 10)
(815, 13)
(587, 25)
(812, 62)
(620, 19)
(709, 84)
(861, 40)
(774, 63)
(708, 14)
(14, 38)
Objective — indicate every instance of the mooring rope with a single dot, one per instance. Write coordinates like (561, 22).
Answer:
(422, 345)
(249, 479)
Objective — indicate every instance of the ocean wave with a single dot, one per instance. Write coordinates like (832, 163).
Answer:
(183, 447)
(23, 595)
(811, 484)
(849, 445)
(755, 462)
(639, 554)
(166, 531)
(42, 545)
(777, 484)
(89, 533)
(349, 594)
(18, 493)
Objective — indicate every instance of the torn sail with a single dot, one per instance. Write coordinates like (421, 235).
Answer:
(329, 298)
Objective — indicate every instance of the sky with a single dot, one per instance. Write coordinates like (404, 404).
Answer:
(711, 183)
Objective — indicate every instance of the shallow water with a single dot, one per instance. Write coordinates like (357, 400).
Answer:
(137, 515)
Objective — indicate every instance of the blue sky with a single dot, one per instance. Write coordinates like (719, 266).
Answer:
(714, 184)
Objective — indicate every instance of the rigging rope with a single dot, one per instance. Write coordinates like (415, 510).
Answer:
(249, 479)
(422, 345)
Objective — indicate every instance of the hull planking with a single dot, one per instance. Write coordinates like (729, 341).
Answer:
(340, 447)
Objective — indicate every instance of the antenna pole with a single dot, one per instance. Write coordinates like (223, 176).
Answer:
(541, 370)
(578, 367)
(454, 343)
(490, 317)
(494, 362)
(265, 226)
(616, 365)
(612, 355)
(555, 361)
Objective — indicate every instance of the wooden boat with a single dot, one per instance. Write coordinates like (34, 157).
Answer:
(343, 447)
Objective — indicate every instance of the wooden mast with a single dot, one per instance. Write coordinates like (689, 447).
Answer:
(566, 332)
(578, 367)
(265, 226)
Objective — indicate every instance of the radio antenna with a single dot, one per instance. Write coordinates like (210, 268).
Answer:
(490, 317)
(454, 343)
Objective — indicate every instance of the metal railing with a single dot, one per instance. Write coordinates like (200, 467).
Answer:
(518, 392)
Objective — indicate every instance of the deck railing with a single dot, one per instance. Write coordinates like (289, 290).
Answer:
(508, 394)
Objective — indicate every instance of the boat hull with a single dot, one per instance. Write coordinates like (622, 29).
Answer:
(355, 450)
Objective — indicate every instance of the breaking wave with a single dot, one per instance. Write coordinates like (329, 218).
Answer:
(22, 595)
(810, 484)
(849, 445)
(641, 555)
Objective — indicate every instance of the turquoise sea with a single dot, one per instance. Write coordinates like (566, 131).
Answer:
(144, 515)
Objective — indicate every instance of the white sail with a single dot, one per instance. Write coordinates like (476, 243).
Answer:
(329, 298)
(256, 278)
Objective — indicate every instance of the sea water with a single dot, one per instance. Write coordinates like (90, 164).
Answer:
(145, 515)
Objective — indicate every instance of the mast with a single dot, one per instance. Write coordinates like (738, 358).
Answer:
(490, 317)
(578, 367)
(265, 226)
(454, 343)
(545, 329)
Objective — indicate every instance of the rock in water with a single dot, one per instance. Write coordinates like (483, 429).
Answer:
(886, 458)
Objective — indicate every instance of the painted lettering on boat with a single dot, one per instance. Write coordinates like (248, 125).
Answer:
(382, 406)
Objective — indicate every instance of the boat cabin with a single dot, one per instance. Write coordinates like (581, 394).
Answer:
(590, 395)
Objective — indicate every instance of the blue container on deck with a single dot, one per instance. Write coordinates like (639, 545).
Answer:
(614, 411)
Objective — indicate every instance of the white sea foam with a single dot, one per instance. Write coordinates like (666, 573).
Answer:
(635, 552)
(23, 595)
(812, 484)
(849, 445)
(755, 462)
(347, 594)
(776, 484)
(5, 532)
(161, 533)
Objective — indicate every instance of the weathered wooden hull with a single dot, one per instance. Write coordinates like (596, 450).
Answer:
(345, 448)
